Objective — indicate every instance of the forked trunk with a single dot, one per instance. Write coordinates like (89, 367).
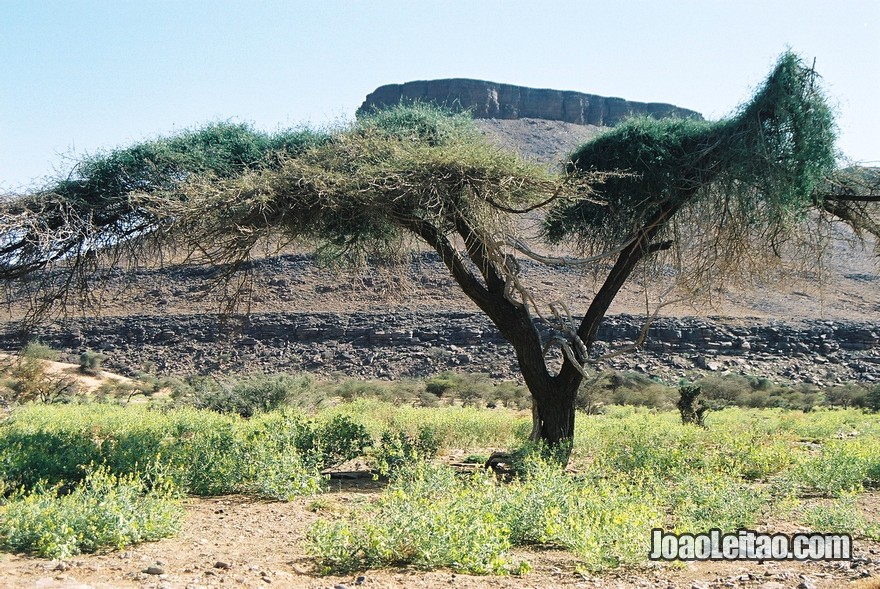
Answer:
(553, 412)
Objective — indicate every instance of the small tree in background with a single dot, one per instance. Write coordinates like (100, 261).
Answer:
(691, 410)
(698, 199)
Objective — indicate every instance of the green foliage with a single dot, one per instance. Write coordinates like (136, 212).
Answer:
(445, 388)
(28, 380)
(601, 520)
(398, 448)
(278, 463)
(624, 388)
(840, 515)
(705, 500)
(451, 426)
(750, 176)
(248, 396)
(334, 441)
(441, 384)
(476, 390)
(749, 454)
(842, 466)
(90, 362)
(394, 173)
(104, 511)
(719, 391)
(203, 452)
(847, 395)
(691, 410)
(634, 469)
(419, 123)
(641, 442)
(427, 518)
(223, 150)
(872, 399)
(654, 154)
(39, 351)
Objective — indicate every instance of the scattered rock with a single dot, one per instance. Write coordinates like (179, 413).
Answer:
(154, 570)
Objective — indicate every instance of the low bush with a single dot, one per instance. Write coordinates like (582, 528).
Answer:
(842, 466)
(426, 518)
(333, 441)
(429, 517)
(249, 395)
(205, 453)
(90, 362)
(27, 378)
(398, 449)
(602, 520)
(40, 351)
(703, 500)
(839, 515)
(104, 511)
(624, 388)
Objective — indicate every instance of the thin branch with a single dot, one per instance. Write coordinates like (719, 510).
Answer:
(522, 247)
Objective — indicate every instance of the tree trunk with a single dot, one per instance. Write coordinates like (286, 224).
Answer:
(553, 410)
(553, 419)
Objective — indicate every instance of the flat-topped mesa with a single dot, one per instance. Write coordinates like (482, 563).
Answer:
(489, 100)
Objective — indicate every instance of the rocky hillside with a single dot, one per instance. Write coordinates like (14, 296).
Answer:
(412, 343)
(378, 325)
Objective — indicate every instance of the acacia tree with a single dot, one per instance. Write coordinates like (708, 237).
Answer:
(700, 198)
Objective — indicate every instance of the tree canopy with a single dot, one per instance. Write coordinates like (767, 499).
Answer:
(704, 193)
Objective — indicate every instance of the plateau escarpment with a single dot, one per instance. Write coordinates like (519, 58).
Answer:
(490, 100)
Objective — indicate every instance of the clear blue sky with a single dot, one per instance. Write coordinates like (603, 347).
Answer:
(79, 76)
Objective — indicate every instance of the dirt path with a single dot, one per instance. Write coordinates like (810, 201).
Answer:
(239, 542)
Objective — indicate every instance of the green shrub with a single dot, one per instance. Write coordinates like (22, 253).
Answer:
(473, 390)
(276, 465)
(604, 521)
(425, 518)
(872, 399)
(429, 517)
(838, 515)
(351, 390)
(250, 395)
(643, 443)
(204, 452)
(442, 384)
(750, 455)
(90, 362)
(703, 500)
(28, 380)
(513, 395)
(334, 441)
(842, 466)
(397, 449)
(452, 426)
(847, 395)
(39, 351)
(104, 511)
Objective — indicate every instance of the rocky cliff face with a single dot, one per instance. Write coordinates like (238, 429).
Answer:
(489, 100)
(415, 344)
